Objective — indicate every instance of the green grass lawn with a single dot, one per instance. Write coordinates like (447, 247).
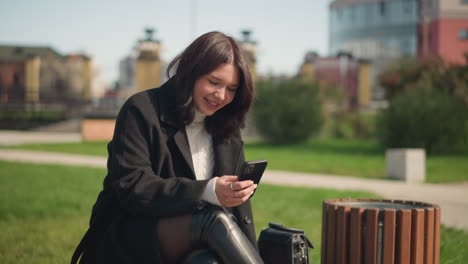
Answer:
(360, 158)
(44, 211)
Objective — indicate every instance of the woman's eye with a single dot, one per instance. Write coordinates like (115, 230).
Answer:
(213, 82)
(232, 89)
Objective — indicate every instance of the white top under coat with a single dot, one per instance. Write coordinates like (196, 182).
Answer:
(201, 148)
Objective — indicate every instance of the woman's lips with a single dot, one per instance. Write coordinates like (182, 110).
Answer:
(211, 103)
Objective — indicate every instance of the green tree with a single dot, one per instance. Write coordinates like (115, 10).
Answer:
(423, 118)
(287, 111)
(428, 105)
(407, 73)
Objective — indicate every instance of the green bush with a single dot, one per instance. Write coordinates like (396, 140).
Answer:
(287, 111)
(27, 119)
(423, 118)
(350, 125)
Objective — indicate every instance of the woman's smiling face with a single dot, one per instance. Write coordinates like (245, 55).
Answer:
(216, 89)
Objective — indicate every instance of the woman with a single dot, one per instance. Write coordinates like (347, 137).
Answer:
(160, 202)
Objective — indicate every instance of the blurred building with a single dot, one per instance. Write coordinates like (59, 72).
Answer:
(127, 72)
(33, 75)
(344, 71)
(148, 68)
(383, 30)
(250, 48)
(443, 30)
(142, 69)
(375, 30)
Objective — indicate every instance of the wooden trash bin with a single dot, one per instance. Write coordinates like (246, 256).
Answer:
(380, 231)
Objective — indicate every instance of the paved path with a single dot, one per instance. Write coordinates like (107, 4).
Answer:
(452, 198)
(10, 137)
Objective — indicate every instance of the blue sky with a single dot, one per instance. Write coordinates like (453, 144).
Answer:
(107, 30)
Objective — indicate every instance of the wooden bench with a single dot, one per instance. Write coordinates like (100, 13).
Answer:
(380, 231)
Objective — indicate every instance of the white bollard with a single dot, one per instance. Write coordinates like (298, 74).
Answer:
(406, 164)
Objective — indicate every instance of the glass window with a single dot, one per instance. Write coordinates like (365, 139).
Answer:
(464, 1)
(407, 7)
(382, 8)
(367, 13)
(362, 15)
(463, 34)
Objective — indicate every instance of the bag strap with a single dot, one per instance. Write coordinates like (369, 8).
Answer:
(281, 227)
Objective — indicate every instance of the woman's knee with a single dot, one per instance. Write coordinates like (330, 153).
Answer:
(208, 220)
(217, 214)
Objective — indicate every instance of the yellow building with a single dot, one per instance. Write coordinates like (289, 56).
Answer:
(250, 48)
(148, 69)
(307, 69)
(364, 83)
(32, 79)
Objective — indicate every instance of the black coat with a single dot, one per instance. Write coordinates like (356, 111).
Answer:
(151, 175)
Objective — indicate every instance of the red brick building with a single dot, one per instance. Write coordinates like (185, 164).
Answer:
(11, 81)
(443, 30)
(344, 71)
(31, 74)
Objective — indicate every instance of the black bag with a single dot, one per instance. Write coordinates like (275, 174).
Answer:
(282, 245)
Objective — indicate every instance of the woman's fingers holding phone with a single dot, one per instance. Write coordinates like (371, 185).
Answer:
(246, 192)
(231, 192)
(240, 185)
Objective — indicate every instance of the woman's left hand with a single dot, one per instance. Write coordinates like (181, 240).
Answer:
(231, 192)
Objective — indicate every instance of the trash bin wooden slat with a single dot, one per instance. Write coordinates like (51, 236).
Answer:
(403, 241)
(372, 223)
(437, 235)
(389, 219)
(331, 231)
(324, 231)
(342, 234)
(429, 238)
(359, 231)
(417, 236)
(355, 235)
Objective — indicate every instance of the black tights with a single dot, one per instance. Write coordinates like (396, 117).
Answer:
(174, 238)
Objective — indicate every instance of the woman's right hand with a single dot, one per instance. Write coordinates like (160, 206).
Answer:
(231, 192)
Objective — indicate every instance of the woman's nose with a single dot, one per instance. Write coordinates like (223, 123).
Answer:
(220, 93)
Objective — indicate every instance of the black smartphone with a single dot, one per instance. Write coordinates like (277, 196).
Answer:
(253, 170)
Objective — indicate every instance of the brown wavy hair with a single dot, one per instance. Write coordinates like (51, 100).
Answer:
(203, 56)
